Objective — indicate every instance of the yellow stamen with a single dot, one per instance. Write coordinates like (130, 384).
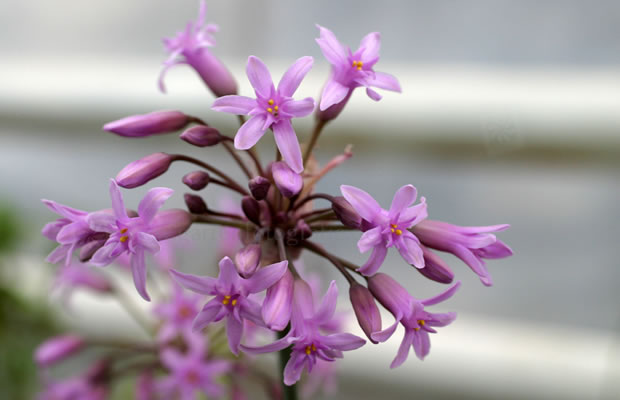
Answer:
(226, 300)
(270, 110)
(398, 232)
(308, 350)
(313, 347)
(392, 230)
(417, 328)
(270, 102)
(123, 230)
(394, 226)
(276, 108)
(234, 302)
(358, 65)
(123, 239)
(421, 322)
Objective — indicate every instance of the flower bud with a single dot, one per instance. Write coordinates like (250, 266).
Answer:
(251, 209)
(288, 182)
(366, 309)
(390, 293)
(333, 111)
(196, 180)
(298, 234)
(57, 349)
(278, 303)
(148, 124)
(346, 213)
(435, 268)
(259, 187)
(247, 260)
(87, 251)
(170, 223)
(143, 170)
(195, 204)
(212, 71)
(202, 136)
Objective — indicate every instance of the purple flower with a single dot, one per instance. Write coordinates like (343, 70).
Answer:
(149, 124)
(351, 70)
(133, 235)
(177, 314)
(273, 108)
(57, 349)
(309, 344)
(89, 386)
(388, 228)
(231, 293)
(191, 47)
(71, 231)
(73, 276)
(469, 243)
(191, 372)
(409, 312)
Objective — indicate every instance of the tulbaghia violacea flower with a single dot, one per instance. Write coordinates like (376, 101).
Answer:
(192, 372)
(351, 70)
(177, 314)
(129, 234)
(388, 227)
(74, 276)
(149, 124)
(309, 344)
(409, 312)
(57, 349)
(272, 108)
(191, 47)
(231, 293)
(469, 243)
(91, 385)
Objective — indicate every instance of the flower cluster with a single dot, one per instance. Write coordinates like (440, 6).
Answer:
(267, 300)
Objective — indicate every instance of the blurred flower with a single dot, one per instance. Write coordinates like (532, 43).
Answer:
(273, 108)
(57, 349)
(177, 314)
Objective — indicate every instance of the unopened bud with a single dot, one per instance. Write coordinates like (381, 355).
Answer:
(202, 136)
(170, 223)
(298, 234)
(390, 293)
(196, 180)
(212, 71)
(251, 209)
(247, 260)
(346, 213)
(435, 268)
(333, 111)
(195, 204)
(143, 170)
(366, 309)
(259, 187)
(148, 124)
(288, 182)
(278, 303)
(57, 349)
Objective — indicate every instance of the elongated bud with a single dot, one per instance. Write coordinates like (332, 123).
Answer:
(288, 182)
(247, 260)
(196, 180)
(57, 349)
(202, 136)
(143, 170)
(251, 209)
(278, 303)
(366, 309)
(149, 124)
(195, 204)
(346, 213)
(212, 71)
(333, 111)
(259, 187)
(435, 268)
(390, 293)
(170, 223)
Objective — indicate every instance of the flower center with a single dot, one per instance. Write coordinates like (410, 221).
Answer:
(357, 64)
(229, 300)
(395, 229)
(185, 312)
(421, 322)
(310, 349)
(192, 377)
(124, 238)
(272, 109)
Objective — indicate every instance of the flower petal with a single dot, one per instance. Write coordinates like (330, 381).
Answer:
(409, 248)
(65, 211)
(294, 75)
(370, 239)
(375, 261)
(287, 143)
(172, 359)
(343, 341)
(275, 346)
(147, 242)
(384, 81)
(138, 270)
(72, 232)
(59, 253)
(153, 201)
(373, 95)
(207, 315)
(331, 48)
(265, 277)
(102, 221)
(442, 296)
(403, 350)
(251, 311)
(413, 215)
(404, 197)
(328, 305)
(333, 93)
(250, 132)
(294, 368)
(299, 108)
(259, 76)
(228, 277)
(385, 334)
(233, 104)
(117, 201)
(198, 284)
(370, 46)
(234, 330)
(105, 255)
(362, 202)
(421, 344)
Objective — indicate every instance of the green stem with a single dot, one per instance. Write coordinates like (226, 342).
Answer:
(318, 127)
(203, 219)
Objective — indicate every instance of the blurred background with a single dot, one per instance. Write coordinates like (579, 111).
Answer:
(510, 113)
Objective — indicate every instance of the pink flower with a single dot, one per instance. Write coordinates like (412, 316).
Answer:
(272, 108)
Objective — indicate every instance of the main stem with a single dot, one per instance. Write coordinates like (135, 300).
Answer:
(315, 136)
(288, 392)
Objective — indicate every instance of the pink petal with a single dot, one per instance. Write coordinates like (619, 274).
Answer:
(404, 197)
(370, 46)
(275, 346)
(198, 284)
(287, 143)
(333, 93)
(294, 368)
(104, 255)
(362, 202)
(385, 334)
(266, 277)
(147, 242)
(409, 248)
(228, 277)
(138, 270)
(234, 104)
(413, 215)
(303, 301)
(172, 359)
(373, 95)
(250, 132)
(58, 254)
(153, 201)
(328, 305)
(343, 341)
(403, 350)
(294, 75)
(67, 212)
(374, 262)
(259, 76)
(234, 330)
(299, 108)
(71, 233)
(117, 201)
(384, 81)
(370, 239)
(331, 48)
(421, 344)
(209, 314)
(102, 221)
(442, 296)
